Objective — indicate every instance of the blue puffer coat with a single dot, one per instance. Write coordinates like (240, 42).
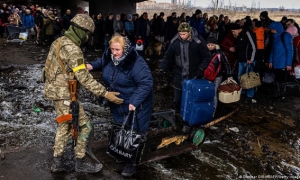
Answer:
(28, 21)
(281, 54)
(134, 81)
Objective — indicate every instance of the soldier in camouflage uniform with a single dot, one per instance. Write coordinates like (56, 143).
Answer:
(57, 89)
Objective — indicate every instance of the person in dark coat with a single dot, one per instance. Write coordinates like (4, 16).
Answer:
(39, 22)
(66, 20)
(124, 71)
(188, 57)
(198, 22)
(225, 70)
(98, 34)
(159, 27)
(264, 17)
(171, 31)
(246, 50)
(143, 30)
(108, 29)
(129, 29)
(228, 45)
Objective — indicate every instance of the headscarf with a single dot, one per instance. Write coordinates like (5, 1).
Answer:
(117, 61)
(292, 30)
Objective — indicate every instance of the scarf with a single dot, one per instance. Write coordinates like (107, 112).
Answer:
(117, 61)
(77, 35)
(185, 57)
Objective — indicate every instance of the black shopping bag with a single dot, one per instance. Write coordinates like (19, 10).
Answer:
(125, 143)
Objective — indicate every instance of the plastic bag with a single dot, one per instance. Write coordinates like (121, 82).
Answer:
(23, 35)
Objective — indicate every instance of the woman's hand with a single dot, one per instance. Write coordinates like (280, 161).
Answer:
(131, 107)
(270, 65)
(232, 49)
(89, 67)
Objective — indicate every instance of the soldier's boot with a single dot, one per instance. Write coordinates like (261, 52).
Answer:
(58, 165)
(82, 165)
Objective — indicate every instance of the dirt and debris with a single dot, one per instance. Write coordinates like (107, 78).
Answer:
(260, 139)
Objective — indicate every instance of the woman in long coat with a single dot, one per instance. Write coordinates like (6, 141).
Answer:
(125, 71)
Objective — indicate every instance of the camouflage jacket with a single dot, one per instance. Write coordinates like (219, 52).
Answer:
(56, 85)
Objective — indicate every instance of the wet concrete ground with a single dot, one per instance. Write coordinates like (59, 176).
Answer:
(267, 143)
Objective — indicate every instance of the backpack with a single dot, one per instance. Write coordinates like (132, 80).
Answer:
(211, 71)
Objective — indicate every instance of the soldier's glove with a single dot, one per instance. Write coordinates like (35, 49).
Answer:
(112, 97)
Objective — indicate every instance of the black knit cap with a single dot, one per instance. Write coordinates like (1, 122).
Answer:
(235, 26)
(198, 11)
(264, 14)
(211, 39)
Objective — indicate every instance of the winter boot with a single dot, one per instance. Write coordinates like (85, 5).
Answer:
(129, 170)
(82, 165)
(58, 165)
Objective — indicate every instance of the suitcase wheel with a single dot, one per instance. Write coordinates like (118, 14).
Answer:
(199, 137)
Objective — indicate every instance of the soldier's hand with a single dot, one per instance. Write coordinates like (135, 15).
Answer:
(112, 97)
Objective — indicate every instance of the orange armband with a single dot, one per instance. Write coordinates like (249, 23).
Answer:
(64, 118)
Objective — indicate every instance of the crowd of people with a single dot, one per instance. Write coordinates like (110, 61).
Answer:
(190, 43)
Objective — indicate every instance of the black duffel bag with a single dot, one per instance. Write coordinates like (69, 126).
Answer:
(125, 143)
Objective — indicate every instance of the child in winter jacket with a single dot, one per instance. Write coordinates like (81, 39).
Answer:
(225, 69)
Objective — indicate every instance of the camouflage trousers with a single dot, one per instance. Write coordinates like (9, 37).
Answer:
(63, 133)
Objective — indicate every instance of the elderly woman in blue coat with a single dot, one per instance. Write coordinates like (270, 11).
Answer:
(124, 71)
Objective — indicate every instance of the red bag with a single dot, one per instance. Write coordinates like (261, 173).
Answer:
(211, 72)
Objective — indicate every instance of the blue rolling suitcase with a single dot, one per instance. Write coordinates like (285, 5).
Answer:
(197, 103)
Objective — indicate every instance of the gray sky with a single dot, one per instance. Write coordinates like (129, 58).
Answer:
(263, 3)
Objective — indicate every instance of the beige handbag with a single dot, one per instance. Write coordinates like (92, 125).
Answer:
(250, 79)
(229, 91)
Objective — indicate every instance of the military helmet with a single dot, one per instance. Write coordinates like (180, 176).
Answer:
(184, 27)
(84, 22)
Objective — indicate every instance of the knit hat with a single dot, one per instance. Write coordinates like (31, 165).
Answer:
(284, 18)
(198, 11)
(129, 16)
(184, 27)
(211, 39)
(264, 14)
(292, 30)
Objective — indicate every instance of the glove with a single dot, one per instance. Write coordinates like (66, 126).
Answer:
(160, 73)
(112, 97)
